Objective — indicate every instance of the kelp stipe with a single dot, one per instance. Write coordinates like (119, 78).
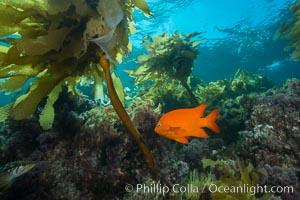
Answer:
(190, 92)
(169, 57)
(105, 64)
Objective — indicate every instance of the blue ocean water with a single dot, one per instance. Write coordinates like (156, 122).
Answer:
(234, 34)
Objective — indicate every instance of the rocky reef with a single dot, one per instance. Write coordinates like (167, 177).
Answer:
(172, 93)
(270, 139)
(265, 141)
(88, 154)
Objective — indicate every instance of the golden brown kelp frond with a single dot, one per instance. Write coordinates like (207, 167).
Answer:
(171, 56)
(235, 175)
(58, 44)
(142, 5)
(291, 30)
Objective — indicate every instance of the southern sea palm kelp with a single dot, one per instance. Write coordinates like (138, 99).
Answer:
(291, 30)
(59, 44)
(105, 64)
(168, 57)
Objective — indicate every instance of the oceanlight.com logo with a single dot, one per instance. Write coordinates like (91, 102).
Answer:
(252, 190)
(213, 188)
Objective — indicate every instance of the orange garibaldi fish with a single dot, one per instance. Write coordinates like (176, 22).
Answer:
(180, 124)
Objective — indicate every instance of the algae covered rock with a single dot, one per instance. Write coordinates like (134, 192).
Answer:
(242, 83)
(270, 140)
(170, 94)
(93, 161)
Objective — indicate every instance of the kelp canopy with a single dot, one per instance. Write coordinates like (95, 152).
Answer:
(58, 44)
(168, 57)
(291, 30)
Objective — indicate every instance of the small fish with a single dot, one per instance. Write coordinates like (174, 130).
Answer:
(12, 170)
(180, 124)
